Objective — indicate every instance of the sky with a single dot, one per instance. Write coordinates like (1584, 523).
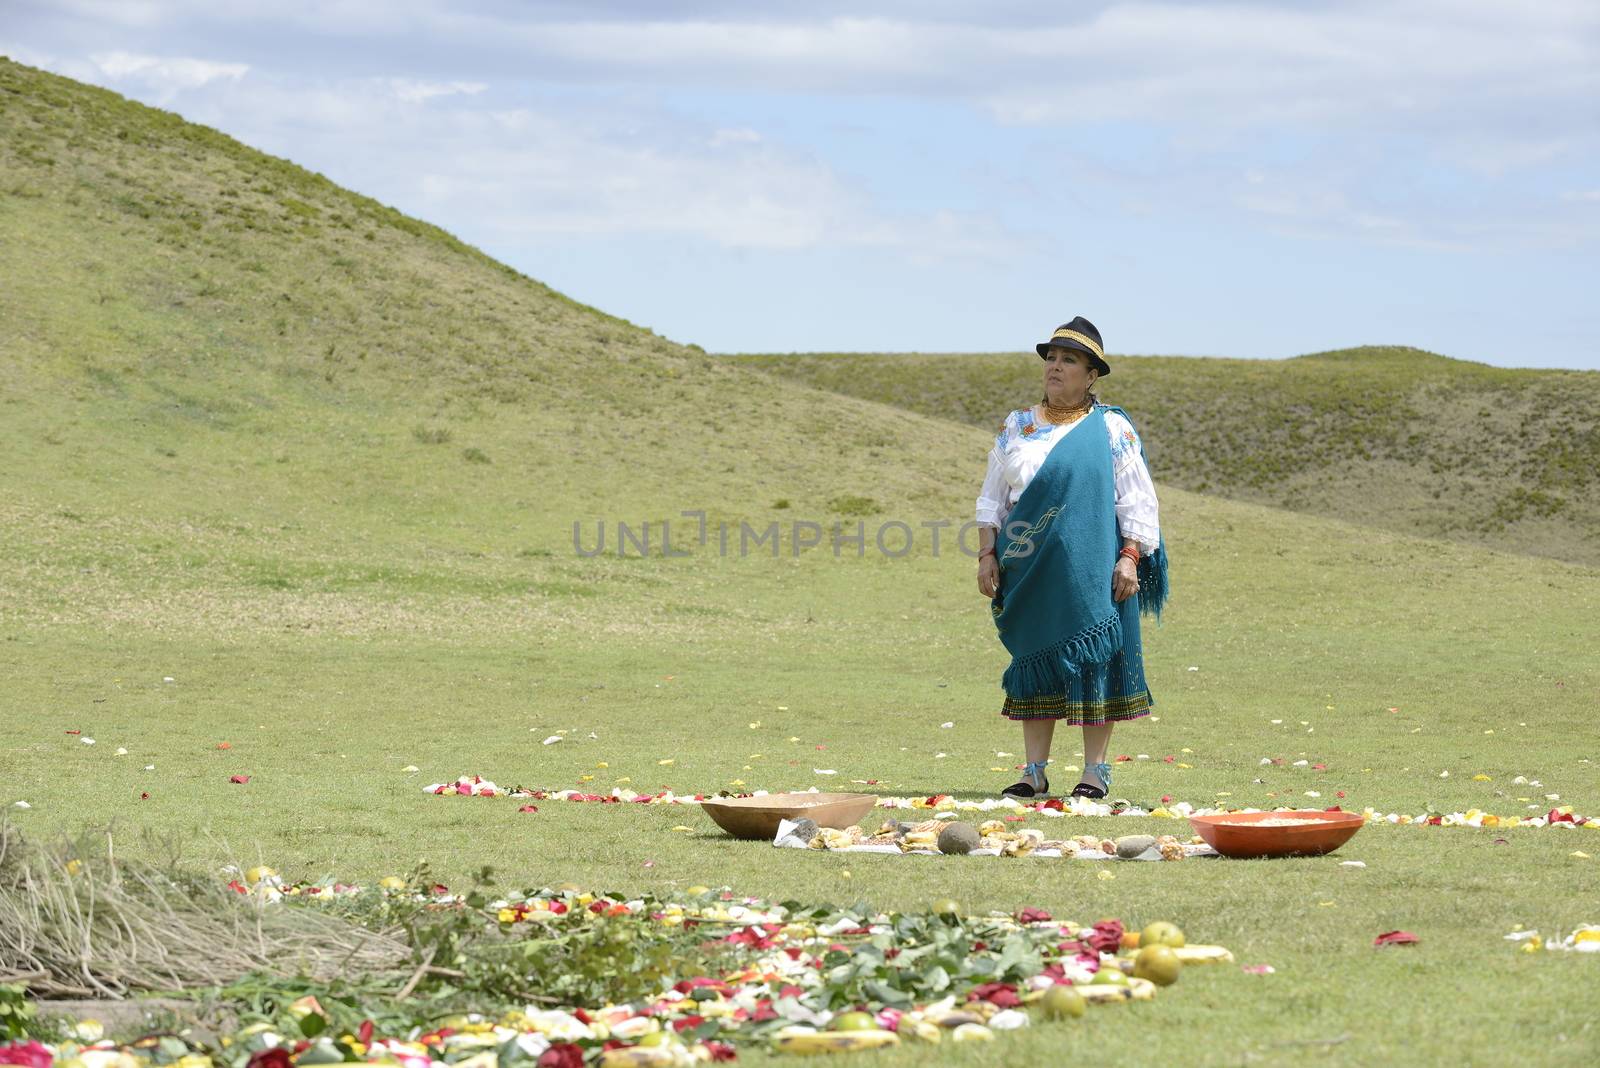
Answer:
(1251, 178)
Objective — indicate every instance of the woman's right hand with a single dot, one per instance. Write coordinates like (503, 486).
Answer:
(988, 575)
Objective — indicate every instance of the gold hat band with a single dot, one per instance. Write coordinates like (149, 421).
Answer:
(1083, 339)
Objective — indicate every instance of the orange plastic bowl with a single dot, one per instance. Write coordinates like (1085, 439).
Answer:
(1238, 834)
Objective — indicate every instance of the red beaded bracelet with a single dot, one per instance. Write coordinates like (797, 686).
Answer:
(1131, 552)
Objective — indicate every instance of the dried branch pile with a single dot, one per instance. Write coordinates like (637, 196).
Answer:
(77, 921)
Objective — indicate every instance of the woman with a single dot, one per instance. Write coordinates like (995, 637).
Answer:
(1070, 534)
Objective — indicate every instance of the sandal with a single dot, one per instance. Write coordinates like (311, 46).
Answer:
(1026, 789)
(1095, 793)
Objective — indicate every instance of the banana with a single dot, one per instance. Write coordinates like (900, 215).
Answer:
(835, 1042)
(639, 1057)
(1136, 990)
(972, 1032)
(1204, 955)
(1022, 843)
(832, 838)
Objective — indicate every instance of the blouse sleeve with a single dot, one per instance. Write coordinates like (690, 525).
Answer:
(1138, 515)
(992, 498)
(992, 510)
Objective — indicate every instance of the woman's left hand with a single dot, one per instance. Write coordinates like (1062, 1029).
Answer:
(1124, 580)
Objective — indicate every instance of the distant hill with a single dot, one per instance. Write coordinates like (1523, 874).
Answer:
(1395, 437)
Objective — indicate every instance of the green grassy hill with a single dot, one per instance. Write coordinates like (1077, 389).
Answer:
(179, 308)
(289, 493)
(1393, 437)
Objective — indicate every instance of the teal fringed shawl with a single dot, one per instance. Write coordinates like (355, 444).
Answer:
(1054, 609)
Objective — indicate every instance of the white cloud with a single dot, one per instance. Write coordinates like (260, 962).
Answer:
(1388, 62)
(162, 79)
(168, 74)
(417, 92)
(742, 136)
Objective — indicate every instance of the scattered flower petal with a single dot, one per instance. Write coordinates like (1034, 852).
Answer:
(1395, 938)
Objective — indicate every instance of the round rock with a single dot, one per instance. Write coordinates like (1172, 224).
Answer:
(958, 838)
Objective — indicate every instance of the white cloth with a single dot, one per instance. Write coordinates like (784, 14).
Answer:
(1020, 450)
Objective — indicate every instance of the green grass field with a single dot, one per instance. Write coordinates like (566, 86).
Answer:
(239, 433)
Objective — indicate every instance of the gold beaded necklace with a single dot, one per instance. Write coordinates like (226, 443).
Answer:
(1058, 414)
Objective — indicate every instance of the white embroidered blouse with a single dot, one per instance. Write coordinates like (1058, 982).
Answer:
(1020, 450)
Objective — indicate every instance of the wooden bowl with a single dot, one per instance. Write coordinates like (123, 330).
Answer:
(757, 817)
(1237, 834)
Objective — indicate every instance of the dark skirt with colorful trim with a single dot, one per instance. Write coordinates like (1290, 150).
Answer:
(1100, 693)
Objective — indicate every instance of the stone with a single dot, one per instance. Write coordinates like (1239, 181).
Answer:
(958, 839)
(1131, 845)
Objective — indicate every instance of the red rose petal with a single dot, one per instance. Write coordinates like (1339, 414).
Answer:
(1395, 938)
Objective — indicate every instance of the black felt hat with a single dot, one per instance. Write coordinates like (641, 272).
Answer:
(1081, 336)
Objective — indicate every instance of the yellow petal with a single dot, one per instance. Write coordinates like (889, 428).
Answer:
(681, 827)
(1105, 874)
(667, 762)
